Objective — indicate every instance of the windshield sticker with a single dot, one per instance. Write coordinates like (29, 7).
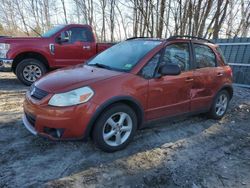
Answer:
(128, 66)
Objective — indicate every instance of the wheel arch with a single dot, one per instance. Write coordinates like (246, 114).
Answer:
(25, 55)
(228, 88)
(127, 100)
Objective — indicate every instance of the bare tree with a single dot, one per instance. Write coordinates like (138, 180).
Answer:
(112, 19)
(64, 11)
(118, 19)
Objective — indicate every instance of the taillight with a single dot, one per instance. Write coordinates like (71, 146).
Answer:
(230, 72)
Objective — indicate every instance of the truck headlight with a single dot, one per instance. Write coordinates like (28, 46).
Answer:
(4, 48)
(74, 97)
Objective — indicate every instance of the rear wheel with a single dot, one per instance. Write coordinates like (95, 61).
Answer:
(29, 70)
(220, 105)
(115, 128)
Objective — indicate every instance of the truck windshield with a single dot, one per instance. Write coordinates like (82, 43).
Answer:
(123, 56)
(53, 31)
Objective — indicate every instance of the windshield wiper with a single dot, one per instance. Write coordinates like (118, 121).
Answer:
(101, 65)
(106, 67)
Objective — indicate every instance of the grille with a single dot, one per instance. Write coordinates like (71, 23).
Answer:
(31, 118)
(37, 93)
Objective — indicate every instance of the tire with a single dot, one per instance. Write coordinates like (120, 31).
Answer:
(108, 124)
(215, 111)
(29, 70)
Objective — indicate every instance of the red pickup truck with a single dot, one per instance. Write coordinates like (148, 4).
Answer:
(31, 57)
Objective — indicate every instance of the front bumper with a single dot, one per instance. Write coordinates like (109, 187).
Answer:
(70, 122)
(5, 64)
(28, 125)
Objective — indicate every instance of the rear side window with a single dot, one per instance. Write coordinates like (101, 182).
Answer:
(204, 56)
(221, 55)
(177, 54)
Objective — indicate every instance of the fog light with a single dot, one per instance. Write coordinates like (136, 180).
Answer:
(56, 133)
(1, 63)
(59, 132)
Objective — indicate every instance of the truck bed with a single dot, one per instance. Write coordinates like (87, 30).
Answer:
(103, 46)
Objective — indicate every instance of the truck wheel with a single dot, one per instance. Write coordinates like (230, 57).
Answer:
(220, 105)
(115, 128)
(29, 70)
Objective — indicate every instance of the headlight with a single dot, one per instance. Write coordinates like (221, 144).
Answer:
(4, 48)
(77, 96)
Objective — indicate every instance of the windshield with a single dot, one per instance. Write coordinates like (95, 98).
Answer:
(123, 56)
(52, 31)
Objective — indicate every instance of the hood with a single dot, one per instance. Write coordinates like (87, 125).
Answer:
(66, 79)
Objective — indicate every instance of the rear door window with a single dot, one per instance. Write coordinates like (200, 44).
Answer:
(204, 56)
(177, 54)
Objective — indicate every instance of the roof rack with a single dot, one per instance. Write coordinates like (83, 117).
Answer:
(190, 37)
(137, 38)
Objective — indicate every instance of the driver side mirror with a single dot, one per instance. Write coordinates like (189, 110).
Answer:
(170, 69)
(64, 37)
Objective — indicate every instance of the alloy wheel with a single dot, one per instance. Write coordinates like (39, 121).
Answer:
(117, 129)
(221, 104)
(32, 72)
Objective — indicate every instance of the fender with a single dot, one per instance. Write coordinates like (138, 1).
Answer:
(130, 101)
(14, 53)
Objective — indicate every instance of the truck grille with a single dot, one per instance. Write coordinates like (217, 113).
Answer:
(31, 118)
(37, 93)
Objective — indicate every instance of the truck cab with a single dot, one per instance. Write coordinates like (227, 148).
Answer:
(64, 45)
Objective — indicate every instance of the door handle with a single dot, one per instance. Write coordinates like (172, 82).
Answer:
(220, 74)
(189, 79)
(86, 47)
(52, 48)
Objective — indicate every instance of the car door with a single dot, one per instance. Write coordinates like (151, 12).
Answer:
(79, 47)
(204, 77)
(170, 95)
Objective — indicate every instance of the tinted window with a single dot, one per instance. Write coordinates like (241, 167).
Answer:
(79, 35)
(205, 57)
(149, 69)
(125, 55)
(177, 54)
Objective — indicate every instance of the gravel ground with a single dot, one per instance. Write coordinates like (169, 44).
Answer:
(190, 152)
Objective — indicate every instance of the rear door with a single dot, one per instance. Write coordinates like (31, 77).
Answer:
(170, 95)
(80, 47)
(204, 77)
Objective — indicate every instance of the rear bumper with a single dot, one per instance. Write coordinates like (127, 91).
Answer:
(5, 64)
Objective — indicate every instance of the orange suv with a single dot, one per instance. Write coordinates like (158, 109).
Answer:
(134, 82)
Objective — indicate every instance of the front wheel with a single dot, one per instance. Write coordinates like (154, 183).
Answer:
(29, 70)
(115, 128)
(220, 105)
